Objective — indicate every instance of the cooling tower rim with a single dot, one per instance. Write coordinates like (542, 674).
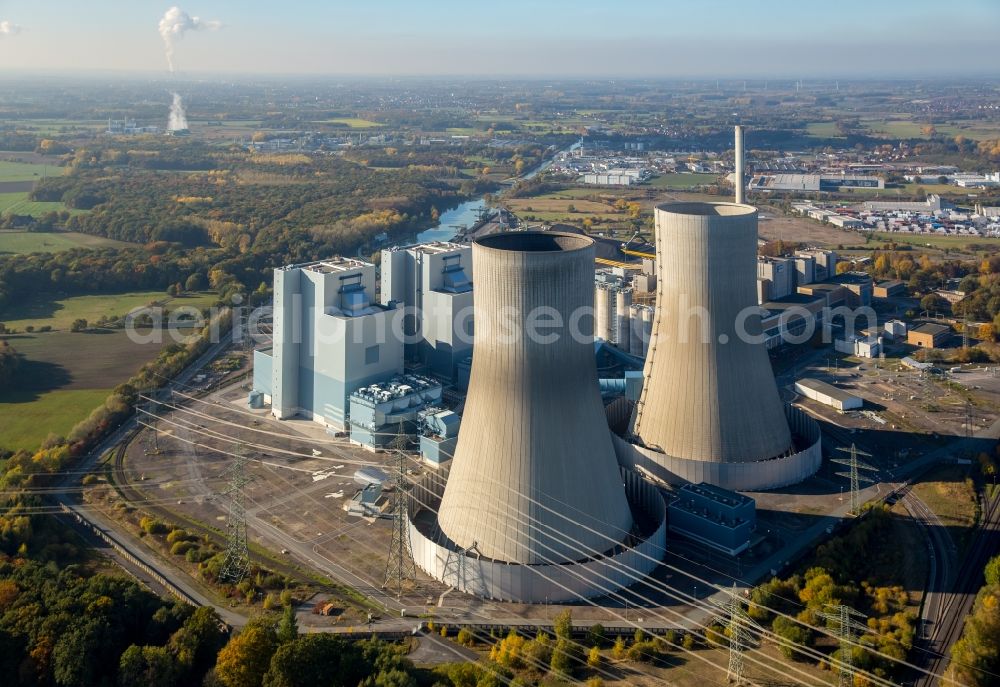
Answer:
(703, 209)
(531, 242)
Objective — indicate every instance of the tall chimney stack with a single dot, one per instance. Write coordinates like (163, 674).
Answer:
(740, 179)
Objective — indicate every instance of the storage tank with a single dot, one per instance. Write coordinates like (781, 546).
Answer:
(623, 301)
(603, 299)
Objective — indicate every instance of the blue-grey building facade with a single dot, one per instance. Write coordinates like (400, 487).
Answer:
(330, 339)
(717, 517)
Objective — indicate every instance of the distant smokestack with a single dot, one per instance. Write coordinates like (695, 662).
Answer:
(740, 178)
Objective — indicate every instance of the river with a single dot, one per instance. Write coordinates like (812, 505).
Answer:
(467, 213)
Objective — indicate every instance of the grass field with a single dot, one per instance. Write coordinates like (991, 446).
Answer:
(946, 492)
(59, 312)
(682, 181)
(22, 171)
(822, 129)
(23, 242)
(19, 204)
(29, 417)
(62, 378)
(934, 241)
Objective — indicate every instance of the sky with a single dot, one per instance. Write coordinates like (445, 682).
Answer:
(543, 38)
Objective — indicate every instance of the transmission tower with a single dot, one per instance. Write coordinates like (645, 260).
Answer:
(237, 563)
(854, 475)
(844, 618)
(740, 639)
(399, 565)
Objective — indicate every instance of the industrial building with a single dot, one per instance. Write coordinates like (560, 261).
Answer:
(383, 411)
(433, 283)
(710, 410)
(892, 288)
(929, 335)
(719, 518)
(828, 394)
(862, 346)
(813, 182)
(438, 435)
(535, 507)
(895, 330)
(776, 278)
(330, 339)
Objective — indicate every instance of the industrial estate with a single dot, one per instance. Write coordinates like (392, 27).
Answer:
(498, 382)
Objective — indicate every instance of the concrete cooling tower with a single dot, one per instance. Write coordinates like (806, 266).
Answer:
(535, 506)
(710, 409)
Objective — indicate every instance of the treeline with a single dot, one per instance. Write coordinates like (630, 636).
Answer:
(975, 657)
(860, 569)
(9, 363)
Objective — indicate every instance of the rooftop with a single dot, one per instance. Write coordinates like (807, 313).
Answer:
(335, 264)
(717, 494)
(931, 328)
(826, 389)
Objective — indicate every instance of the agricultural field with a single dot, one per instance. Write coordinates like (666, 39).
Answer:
(59, 312)
(553, 209)
(24, 242)
(939, 242)
(18, 203)
(682, 181)
(62, 378)
(822, 129)
(351, 122)
(23, 171)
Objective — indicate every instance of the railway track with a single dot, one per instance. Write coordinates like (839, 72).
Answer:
(958, 603)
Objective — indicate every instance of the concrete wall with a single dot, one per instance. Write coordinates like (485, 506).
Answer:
(761, 475)
(543, 581)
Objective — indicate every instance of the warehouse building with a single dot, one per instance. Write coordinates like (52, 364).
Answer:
(330, 339)
(433, 283)
(716, 517)
(929, 335)
(828, 394)
(893, 288)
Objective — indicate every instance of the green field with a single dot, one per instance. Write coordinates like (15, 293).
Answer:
(59, 312)
(682, 181)
(23, 171)
(934, 241)
(23, 242)
(18, 203)
(822, 129)
(28, 422)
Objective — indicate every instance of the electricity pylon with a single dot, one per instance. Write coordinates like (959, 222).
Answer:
(399, 565)
(740, 639)
(236, 565)
(854, 475)
(844, 618)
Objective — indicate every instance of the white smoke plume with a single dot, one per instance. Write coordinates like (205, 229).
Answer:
(178, 119)
(8, 28)
(175, 23)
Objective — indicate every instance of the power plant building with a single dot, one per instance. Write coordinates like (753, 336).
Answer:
(535, 506)
(380, 412)
(710, 409)
(719, 518)
(330, 339)
(433, 283)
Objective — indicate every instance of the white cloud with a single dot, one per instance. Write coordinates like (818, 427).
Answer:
(8, 28)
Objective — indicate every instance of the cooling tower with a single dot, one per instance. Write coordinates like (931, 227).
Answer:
(709, 409)
(535, 493)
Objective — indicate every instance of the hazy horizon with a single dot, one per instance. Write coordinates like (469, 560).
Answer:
(752, 39)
